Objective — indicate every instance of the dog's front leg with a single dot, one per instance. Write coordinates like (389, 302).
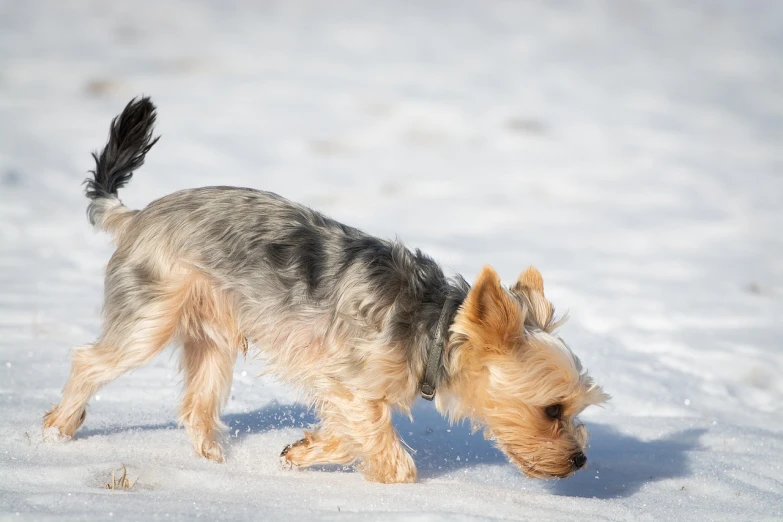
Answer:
(353, 429)
(383, 458)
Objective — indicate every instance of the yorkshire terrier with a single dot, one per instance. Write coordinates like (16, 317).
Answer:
(361, 325)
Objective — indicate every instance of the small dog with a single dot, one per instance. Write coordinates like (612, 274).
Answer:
(361, 325)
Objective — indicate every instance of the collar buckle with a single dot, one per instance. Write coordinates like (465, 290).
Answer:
(427, 391)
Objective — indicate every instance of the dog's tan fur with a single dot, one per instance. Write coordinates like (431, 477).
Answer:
(508, 374)
(345, 317)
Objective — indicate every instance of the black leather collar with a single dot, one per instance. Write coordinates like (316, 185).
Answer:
(435, 353)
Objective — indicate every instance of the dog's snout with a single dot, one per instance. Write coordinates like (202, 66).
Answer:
(579, 460)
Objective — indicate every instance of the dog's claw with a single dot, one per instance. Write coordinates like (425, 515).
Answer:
(287, 465)
(285, 462)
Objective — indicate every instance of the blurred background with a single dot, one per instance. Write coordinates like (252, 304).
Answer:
(630, 150)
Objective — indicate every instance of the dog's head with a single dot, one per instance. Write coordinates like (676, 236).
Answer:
(511, 374)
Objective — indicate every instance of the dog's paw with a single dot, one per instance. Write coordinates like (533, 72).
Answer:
(287, 456)
(391, 468)
(287, 465)
(214, 452)
(53, 434)
(58, 427)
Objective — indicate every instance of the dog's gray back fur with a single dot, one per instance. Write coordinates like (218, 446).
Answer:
(294, 275)
(266, 249)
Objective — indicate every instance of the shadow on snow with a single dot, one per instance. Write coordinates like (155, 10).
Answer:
(619, 464)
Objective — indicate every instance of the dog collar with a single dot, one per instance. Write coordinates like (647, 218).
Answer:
(435, 354)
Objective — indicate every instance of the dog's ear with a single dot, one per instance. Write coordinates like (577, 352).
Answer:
(539, 311)
(493, 317)
(530, 278)
(596, 395)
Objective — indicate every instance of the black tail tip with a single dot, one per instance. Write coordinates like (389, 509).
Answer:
(130, 138)
(139, 110)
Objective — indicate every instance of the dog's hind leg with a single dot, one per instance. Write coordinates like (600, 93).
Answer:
(207, 363)
(138, 324)
(211, 342)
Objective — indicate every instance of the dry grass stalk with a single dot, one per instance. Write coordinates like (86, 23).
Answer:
(123, 482)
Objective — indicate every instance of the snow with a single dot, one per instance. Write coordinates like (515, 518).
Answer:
(630, 150)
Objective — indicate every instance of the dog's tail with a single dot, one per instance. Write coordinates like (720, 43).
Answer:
(130, 138)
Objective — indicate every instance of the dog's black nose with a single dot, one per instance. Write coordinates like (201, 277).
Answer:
(578, 459)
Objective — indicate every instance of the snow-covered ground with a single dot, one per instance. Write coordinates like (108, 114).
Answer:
(630, 150)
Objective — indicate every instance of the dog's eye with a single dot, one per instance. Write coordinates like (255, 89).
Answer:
(554, 411)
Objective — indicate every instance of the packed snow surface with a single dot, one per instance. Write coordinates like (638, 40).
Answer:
(631, 150)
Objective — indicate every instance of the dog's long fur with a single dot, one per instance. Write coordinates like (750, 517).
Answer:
(346, 317)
